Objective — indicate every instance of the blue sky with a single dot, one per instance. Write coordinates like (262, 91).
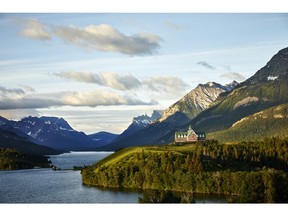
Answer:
(98, 71)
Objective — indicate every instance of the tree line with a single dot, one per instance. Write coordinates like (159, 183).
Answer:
(11, 159)
(255, 171)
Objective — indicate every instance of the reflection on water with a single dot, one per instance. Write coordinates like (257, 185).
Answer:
(158, 196)
(69, 160)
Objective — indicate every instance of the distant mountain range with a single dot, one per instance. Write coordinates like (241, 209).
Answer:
(55, 133)
(178, 114)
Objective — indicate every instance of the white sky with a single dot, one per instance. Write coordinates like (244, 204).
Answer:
(99, 70)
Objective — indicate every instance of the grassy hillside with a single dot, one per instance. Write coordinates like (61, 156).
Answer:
(250, 170)
(272, 122)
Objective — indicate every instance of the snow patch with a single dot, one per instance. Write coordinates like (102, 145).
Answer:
(35, 134)
(32, 122)
(272, 78)
(47, 122)
(61, 128)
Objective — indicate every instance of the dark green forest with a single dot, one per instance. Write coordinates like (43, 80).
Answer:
(254, 171)
(11, 159)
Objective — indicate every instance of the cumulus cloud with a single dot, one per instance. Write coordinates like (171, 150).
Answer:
(101, 37)
(66, 98)
(170, 85)
(33, 28)
(108, 39)
(206, 65)
(109, 79)
(234, 76)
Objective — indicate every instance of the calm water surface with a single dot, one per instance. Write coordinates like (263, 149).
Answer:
(47, 186)
(65, 186)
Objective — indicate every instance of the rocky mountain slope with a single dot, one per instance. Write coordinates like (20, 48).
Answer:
(276, 68)
(139, 123)
(198, 99)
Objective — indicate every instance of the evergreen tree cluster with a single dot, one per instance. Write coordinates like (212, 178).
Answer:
(256, 172)
(11, 159)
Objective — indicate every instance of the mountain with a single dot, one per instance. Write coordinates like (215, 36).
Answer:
(55, 133)
(103, 138)
(139, 123)
(276, 68)
(7, 125)
(52, 132)
(11, 140)
(264, 90)
(267, 88)
(198, 99)
(176, 115)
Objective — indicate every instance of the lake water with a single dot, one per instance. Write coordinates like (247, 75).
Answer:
(65, 186)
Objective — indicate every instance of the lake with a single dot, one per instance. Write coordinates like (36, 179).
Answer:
(65, 186)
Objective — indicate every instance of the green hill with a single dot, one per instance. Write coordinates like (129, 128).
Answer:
(272, 122)
(255, 172)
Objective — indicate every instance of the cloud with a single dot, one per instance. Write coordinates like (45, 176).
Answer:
(5, 91)
(234, 76)
(170, 85)
(101, 37)
(109, 79)
(27, 88)
(108, 39)
(206, 65)
(66, 98)
(17, 114)
(32, 28)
